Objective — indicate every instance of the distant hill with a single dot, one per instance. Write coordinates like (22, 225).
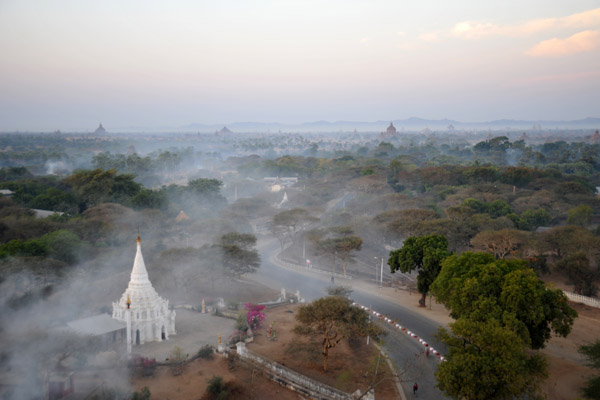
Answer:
(412, 123)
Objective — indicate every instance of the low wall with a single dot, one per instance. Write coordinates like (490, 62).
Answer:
(294, 380)
(577, 298)
(291, 264)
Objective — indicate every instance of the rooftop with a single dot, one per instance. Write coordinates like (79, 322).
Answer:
(96, 325)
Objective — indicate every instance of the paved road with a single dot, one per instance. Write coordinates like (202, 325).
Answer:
(405, 352)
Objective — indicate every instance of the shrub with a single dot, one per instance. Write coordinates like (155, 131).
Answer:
(143, 394)
(206, 352)
(255, 315)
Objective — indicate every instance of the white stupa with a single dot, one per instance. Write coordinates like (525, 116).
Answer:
(150, 317)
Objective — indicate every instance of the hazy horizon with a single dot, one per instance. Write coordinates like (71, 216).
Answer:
(69, 65)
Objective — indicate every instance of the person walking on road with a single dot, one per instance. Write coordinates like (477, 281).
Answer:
(415, 388)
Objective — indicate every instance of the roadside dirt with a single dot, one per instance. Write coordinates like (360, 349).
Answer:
(567, 369)
(351, 365)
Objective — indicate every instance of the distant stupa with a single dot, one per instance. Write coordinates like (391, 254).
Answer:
(100, 130)
(391, 130)
(182, 216)
(223, 131)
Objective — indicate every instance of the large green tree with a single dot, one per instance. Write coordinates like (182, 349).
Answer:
(502, 311)
(423, 254)
(591, 389)
(333, 319)
(478, 286)
(488, 361)
(97, 186)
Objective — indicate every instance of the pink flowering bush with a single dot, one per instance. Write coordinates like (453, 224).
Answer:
(255, 315)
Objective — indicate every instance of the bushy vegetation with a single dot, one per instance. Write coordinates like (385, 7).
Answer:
(529, 205)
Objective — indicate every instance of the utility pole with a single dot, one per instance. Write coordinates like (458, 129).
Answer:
(375, 270)
(381, 275)
(303, 247)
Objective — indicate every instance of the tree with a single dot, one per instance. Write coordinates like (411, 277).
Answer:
(479, 287)
(341, 246)
(288, 223)
(488, 361)
(239, 253)
(502, 244)
(423, 254)
(582, 276)
(502, 310)
(566, 240)
(580, 215)
(210, 189)
(100, 186)
(591, 389)
(532, 219)
(334, 319)
(63, 245)
(148, 198)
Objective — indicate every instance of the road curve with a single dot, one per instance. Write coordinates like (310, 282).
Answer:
(407, 353)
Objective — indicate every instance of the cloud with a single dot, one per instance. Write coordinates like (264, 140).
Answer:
(577, 43)
(364, 40)
(430, 36)
(475, 29)
(471, 30)
(401, 34)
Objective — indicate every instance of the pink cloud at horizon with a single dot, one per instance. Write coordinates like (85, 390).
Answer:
(580, 42)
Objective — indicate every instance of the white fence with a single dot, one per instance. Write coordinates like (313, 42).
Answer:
(577, 298)
(290, 264)
(297, 382)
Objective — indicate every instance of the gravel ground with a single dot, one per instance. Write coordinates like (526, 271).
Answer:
(194, 330)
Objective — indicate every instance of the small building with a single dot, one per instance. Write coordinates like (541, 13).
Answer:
(109, 330)
(6, 192)
(60, 384)
(276, 183)
(45, 213)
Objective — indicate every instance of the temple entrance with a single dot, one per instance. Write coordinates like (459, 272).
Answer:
(162, 334)
(137, 336)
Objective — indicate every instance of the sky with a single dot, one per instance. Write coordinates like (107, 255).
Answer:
(70, 64)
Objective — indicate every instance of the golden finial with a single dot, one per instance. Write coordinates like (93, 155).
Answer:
(139, 238)
(128, 302)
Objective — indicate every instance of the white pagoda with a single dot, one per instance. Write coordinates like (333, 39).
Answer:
(147, 314)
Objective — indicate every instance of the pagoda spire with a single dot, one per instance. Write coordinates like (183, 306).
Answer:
(139, 274)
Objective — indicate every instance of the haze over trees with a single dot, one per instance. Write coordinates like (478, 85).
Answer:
(202, 205)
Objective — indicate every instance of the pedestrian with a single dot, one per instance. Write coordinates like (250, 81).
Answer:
(415, 388)
(332, 280)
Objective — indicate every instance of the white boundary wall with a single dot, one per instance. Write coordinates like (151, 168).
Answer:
(577, 298)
